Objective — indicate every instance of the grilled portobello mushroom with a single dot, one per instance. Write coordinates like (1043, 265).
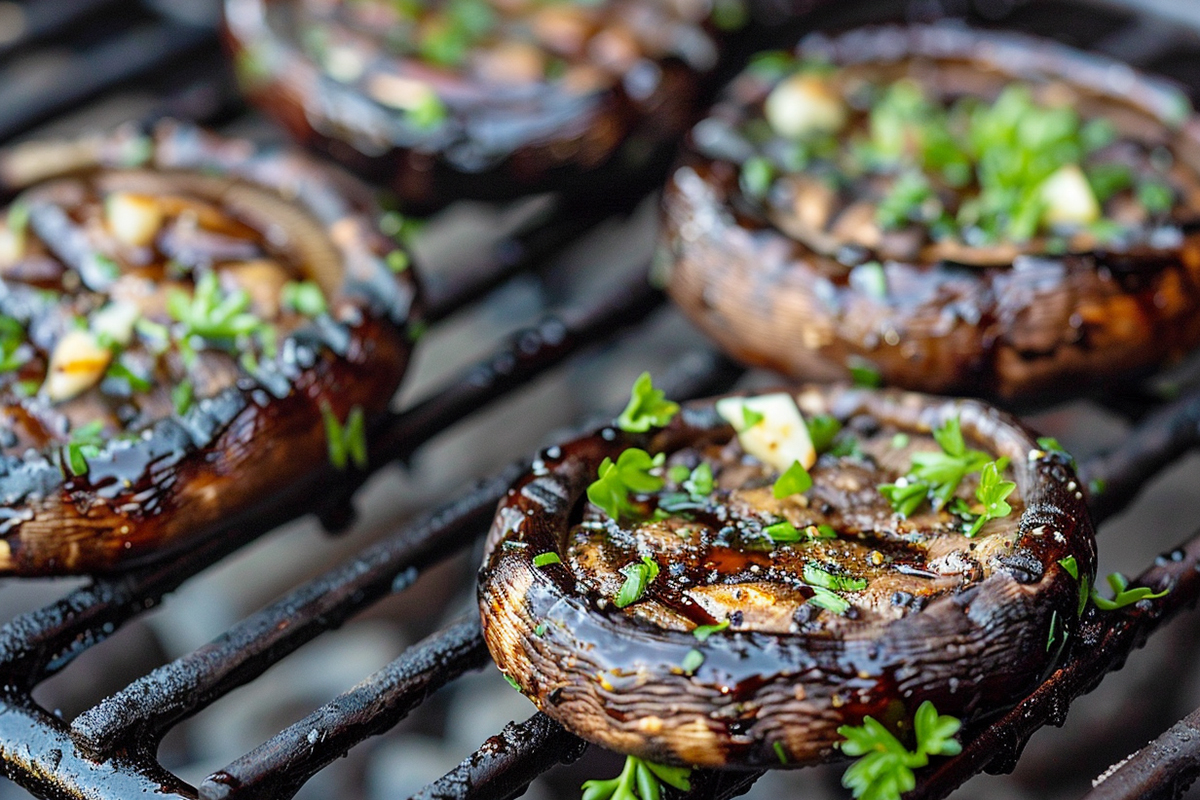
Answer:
(706, 605)
(485, 99)
(949, 210)
(191, 331)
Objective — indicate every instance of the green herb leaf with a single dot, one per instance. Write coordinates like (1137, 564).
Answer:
(303, 297)
(900, 441)
(794, 480)
(944, 471)
(347, 443)
(639, 780)
(638, 577)
(756, 177)
(512, 682)
(828, 600)
(1051, 445)
(1122, 595)
(864, 374)
(1071, 566)
(546, 559)
(13, 352)
(702, 632)
(885, 769)
(780, 753)
(630, 473)
(819, 575)
(992, 493)
(822, 430)
(699, 483)
(692, 661)
(211, 314)
(1156, 196)
(783, 532)
(648, 407)
(85, 442)
(183, 396)
(750, 418)
(905, 496)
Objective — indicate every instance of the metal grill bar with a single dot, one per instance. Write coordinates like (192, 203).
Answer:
(279, 767)
(505, 764)
(1103, 642)
(50, 758)
(138, 52)
(1162, 769)
(145, 709)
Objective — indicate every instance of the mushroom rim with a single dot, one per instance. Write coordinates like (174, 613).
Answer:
(628, 654)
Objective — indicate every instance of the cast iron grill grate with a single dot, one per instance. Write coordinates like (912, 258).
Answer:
(109, 750)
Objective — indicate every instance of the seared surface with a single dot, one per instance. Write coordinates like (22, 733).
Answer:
(444, 100)
(718, 563)
(933, 305)
(985, 618)
(181, 315)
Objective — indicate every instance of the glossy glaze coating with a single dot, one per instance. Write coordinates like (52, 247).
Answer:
(973, 641)
(557, 95)
(1015, 323)
(162, 466)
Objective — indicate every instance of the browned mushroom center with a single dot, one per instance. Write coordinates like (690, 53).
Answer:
(732, 557)
(128, 294)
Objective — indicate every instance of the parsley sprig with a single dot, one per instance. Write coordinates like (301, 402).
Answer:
(937, 475)
(885, 770)
(648, 407)
(211, 314)
(639, 780)
(632, 472)
(1122, 594)
(992, 492)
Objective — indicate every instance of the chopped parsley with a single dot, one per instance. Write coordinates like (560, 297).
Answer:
(828, 600)
(937, 475)
(347, 442)
(303, 297)
(85, 442)
(211, 314)
(546, 559)
(183, 396)
(819, 575)
(638, 577)
(794, 480)
(702, 632)
(822, 430)
(13, 353)
(647, 408)
(691, 661)
(885, 769)
(632, 472)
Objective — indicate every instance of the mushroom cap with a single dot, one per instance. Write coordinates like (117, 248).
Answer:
(249, 438)
(616, 677)
(1017, 323)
